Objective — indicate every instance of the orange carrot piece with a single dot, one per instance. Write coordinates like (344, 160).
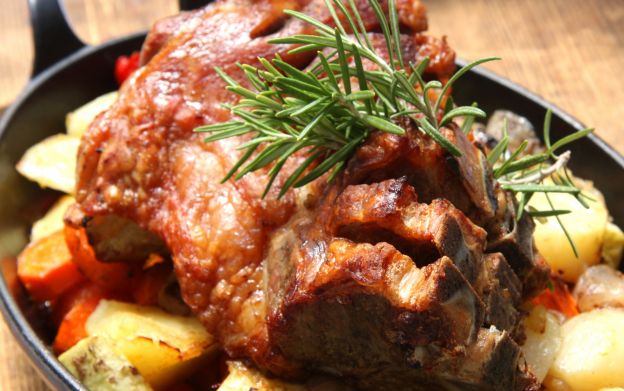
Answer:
(149, 283)
(46, 269)
(112, 276)
(79, 293)
(75, 309)
(558, 298)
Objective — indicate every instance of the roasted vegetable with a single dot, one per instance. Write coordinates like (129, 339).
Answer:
(591, 354)
(52, 162)
(53, 219)
(543, 340)
(164, 348)
(125, 65)
(600, 286)
(100, 367)
(46, 268)
(244, 377)
(557, 298)
(151, 282)
(79, 120)
(585, 226)
(72, 312)
(613, 245)
(113, 276)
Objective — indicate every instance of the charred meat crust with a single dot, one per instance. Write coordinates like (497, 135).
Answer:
(388, 211)
(466, 182)
(445, 314)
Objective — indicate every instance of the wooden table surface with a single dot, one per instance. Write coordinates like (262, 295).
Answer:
(568, 51)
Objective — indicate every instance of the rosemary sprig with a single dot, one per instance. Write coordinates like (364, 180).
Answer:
(525, 175)
(332, 108)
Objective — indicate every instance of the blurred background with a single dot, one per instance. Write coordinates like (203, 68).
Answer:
(571, 52)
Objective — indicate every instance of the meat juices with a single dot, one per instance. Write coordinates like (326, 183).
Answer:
(382, 277)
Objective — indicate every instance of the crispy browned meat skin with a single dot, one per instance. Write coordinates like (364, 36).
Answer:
(259, 273)
(162, 30)
(465, 181)
(341, 296)
(388, 212)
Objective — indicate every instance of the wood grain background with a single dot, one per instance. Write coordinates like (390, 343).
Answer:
(571, 52)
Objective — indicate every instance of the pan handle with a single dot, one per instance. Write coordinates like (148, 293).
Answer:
(187, 5)
(53, 37)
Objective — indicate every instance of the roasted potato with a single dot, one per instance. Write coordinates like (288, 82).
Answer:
(164, 348)
(613, 245)
(79, 120)
(53, 219)
(592, 352)
(586, 227)
(101, 367)
(244, 377)
(52, 163)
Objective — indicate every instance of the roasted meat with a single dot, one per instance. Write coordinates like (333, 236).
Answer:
(383, 277)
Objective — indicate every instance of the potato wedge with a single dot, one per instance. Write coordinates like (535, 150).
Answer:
(100, 367)
(164, 348)
(52, 163)
(244, 377)
(592, 352)
(53, 219)
(586, 227)
(79, 120)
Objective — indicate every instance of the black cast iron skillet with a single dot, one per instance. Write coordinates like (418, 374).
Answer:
(67, 74)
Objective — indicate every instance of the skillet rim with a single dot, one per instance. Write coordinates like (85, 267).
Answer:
(39, 354)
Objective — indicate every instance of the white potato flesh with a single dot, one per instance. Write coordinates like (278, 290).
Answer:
(164, 348)
(543, 340)
(53, 219)
(79, 120)
(244, 377)
(52, 163)
(586, 227)
(100, 367)
(592, 352)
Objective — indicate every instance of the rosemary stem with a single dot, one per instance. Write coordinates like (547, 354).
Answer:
(538, 176)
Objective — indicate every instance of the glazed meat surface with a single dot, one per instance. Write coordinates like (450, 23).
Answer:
(394, 251)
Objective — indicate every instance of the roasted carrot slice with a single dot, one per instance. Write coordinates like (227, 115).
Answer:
(558, 297)
(150, 282)
(112, 276)
(74, 309)
(46, 269)
(79, 293)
